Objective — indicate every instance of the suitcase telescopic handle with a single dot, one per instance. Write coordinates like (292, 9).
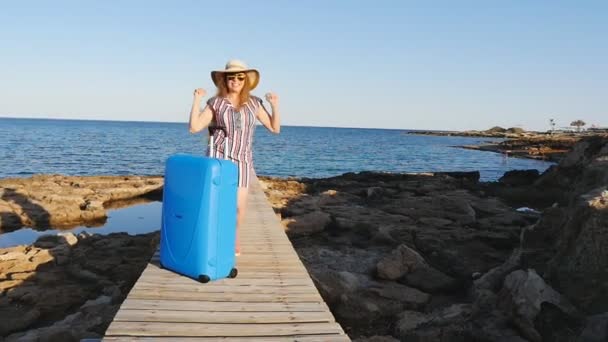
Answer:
(211, 140)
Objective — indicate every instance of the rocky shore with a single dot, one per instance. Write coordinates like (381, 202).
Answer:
(441, 257)
(45, 201)
(68, 287)
(522, 144)
(397, 257)
(494, 132)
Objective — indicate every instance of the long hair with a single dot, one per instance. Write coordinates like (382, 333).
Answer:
(222, 90)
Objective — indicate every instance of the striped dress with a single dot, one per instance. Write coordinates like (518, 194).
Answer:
(236, 127)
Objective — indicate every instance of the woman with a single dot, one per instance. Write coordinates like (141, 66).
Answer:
(234, 112)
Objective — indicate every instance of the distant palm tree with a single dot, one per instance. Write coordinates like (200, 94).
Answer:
(578, 124)
(552, 123)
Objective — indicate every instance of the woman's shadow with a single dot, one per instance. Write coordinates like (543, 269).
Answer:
(37, 216)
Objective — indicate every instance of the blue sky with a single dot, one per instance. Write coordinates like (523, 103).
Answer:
(378, 64)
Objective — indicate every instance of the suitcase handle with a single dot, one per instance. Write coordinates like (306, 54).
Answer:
(211, 140)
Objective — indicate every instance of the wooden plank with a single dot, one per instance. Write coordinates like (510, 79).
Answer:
(265, 317)
(242, 277)
(225, 286)
(238, 281)
(292, 338)
(225, 297)
(221, 330)
(224, 289)
(192, 305)
(247, 274)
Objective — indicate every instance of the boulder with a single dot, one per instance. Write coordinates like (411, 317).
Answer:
(523, 294)
(519, 177)
(306, 224)
(408, 266)
(578, 267)
(410, 298)
(595, 329)
(446, 324)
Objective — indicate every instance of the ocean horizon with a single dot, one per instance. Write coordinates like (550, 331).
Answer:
(111, 147)
(185, 123)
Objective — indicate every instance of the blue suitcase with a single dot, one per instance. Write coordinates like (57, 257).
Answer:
(198, 229)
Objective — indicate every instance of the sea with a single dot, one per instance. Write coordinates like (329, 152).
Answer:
(88, 147)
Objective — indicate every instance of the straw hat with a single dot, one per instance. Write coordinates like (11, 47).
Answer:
(234, 66)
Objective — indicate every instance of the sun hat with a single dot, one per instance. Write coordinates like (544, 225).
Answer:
(234, 66)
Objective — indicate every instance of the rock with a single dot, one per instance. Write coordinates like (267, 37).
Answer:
(306, 224)
(60, 253)
(496, 129)
(400, 262)
(81, 274)
(519, 177)
(494, 278)
(8, 284)
(457, 207)
(367, 311)
(522, 294)
(555, 325)
(408, 321)
(430, 280)
(539, 241)
(472, 176)
(374, 192)
(43, 201)
(515, 130)
(69, 238)
(12, 253)
(484, 301)
(447, 324)
(94, 303)
(595, 329)
(384, 236)
(333, 285)
(47, 241)
(332, 198)
(376, 339)
(578, 268)
(463, 252)
(15, 318)
(495, 326)
(42, 296)
(301, 206)
(457, 229)
(435, 221)
(113, 292)
(487, 207)
(410, 297)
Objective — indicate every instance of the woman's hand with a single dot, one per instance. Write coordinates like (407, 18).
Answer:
(199, 93)
(273, 99)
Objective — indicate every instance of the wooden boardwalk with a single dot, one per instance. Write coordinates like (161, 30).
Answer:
(271, 299)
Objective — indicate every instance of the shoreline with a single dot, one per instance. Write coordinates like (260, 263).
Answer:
(530, 145)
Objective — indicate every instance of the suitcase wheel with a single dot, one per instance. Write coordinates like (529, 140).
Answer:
(203, 278)
(233, 273)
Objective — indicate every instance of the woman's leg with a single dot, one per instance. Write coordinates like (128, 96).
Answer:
(240, 214)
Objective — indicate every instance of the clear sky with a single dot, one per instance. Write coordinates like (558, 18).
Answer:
(379, 64)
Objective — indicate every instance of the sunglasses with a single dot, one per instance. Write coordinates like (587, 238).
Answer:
(240, 77)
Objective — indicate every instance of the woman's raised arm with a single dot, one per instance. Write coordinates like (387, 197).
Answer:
(271, 122)
(199, 119)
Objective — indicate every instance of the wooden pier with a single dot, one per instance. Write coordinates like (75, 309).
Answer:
(271, 299)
